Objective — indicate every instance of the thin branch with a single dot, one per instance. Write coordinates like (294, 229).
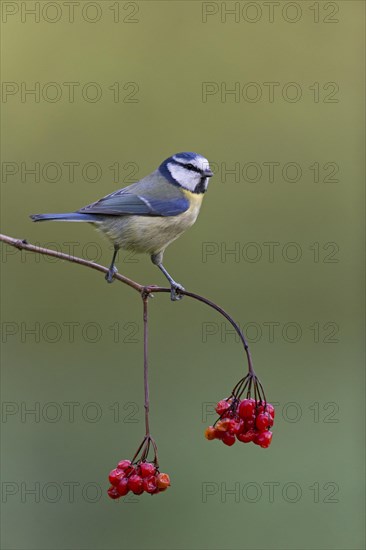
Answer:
(208, 302)
(24, 245)
(144, 290)
(146, 365)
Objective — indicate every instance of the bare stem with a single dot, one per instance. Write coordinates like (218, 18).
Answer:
(222, 312)
(144, 290)
(146, 365)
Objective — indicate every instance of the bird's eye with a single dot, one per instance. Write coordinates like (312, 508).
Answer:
(190, 166)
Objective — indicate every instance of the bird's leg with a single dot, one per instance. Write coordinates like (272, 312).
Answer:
(174, 287)
(174, 295)
(112, 268)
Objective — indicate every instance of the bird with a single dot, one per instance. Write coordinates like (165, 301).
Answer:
(148, 215)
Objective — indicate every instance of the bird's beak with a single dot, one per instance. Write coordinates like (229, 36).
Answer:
(208, 173)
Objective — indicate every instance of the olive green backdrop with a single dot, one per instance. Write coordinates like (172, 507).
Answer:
(273, 92)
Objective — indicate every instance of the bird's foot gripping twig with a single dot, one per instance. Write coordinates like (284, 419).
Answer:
(175, 291)
(110, 275)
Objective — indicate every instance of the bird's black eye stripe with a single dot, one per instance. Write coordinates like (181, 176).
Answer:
(191, 167)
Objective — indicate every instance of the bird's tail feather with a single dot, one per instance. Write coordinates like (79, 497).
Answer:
(67, 217)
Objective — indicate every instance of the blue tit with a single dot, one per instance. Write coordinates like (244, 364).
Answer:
(150, 214)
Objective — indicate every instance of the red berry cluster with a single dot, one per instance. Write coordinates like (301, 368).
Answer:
(245, 421)
(139, 478)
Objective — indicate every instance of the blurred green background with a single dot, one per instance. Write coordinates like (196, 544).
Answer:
(294, 281)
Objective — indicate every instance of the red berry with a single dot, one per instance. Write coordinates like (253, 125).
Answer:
(270, 409)
(135, 484)
(222, 406)
(210, 433)
(115, 476)
(219, 435)
(126, 466)
(263, 439)
(236, 426)
(263, 421)
(149, 484)
(247, 436)
(123, 487)
(246, 408)
(162, 481)
(123, 464)
(113, 493)
(249, 423)
(222, 425)
(147, 469)
(228, 439)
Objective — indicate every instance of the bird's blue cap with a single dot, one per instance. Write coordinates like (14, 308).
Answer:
(185, 156)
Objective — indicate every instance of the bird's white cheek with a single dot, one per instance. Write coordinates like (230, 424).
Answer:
(186, 178)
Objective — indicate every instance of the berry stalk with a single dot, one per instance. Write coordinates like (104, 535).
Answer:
(146, 364)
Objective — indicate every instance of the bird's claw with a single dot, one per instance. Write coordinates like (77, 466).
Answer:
(110, 275)
(175, 294)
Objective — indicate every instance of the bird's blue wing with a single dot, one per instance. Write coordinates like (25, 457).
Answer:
(168, 207)
(151, 196)
(129, 204)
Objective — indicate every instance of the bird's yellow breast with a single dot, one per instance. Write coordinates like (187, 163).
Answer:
(152, 234)
(195, 201)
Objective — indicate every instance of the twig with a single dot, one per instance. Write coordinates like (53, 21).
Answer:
(146, 365)
(145, 291)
